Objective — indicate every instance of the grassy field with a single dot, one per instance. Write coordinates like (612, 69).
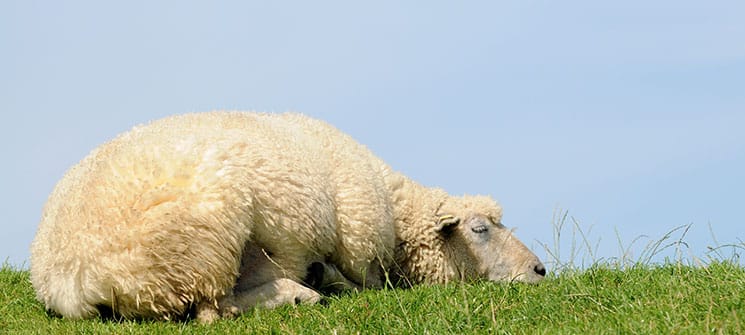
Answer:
(621, 295)
(652, 299)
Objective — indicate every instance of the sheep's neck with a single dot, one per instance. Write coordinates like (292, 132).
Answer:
(418, 251)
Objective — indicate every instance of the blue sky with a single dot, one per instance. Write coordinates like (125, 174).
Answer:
(630, 115)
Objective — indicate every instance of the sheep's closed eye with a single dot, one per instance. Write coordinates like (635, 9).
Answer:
(479, 229)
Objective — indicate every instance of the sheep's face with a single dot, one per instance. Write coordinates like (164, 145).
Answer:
(480, 247)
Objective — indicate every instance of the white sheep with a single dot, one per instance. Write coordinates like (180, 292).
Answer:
(224, 211)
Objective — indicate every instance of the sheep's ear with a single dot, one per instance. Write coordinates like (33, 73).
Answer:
(446, 223)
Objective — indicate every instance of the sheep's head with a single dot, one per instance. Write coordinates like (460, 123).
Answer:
(476, 245)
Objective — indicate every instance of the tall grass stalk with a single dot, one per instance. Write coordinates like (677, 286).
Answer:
(583, 248)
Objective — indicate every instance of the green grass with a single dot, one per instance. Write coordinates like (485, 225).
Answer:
(583, 295)
(653, 299)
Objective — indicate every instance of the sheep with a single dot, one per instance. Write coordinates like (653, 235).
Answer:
(215, 213)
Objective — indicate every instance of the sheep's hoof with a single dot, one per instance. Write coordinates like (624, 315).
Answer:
(307, 296)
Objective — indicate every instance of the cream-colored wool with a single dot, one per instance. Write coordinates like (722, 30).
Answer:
(193, 210)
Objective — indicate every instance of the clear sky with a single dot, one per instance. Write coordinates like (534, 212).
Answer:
(628, 114)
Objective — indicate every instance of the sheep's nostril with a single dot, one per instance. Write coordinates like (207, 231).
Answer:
(540, 269)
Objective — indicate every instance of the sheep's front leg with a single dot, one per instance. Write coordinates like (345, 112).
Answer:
(270, 295)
